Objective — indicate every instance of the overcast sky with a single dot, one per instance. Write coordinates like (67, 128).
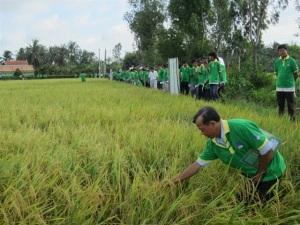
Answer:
(92, 24)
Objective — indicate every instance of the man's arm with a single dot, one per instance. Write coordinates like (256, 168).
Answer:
(296, 75)
(187, 173)
(264, 163)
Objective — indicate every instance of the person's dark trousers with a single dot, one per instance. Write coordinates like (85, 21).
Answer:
(289, 97)
(207, 94)
(184, 88)
(199, 92)
(221, 89)
(214, 91)
(159, 85)
(264, 189)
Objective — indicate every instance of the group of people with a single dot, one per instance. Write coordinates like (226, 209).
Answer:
(237, 142)
(204, 79)
(241, 144)
(144, 76)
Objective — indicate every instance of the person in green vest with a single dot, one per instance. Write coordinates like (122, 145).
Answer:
(146, 77)
(194, 78)
(184, 75)
(83, 76)
(215, 74)
(141, 75)
(206, 85)
(166, 86)
(203, 76)
(286, 70)
(135, 76)
(223, 82)
(241, 144)
(160, 79)
(131, 75)
(127, 75)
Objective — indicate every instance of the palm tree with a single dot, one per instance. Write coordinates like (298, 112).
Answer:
(35, 53)
(21, 55)
(62, 55)
(7, 55)
(73, 49)
(52, 54)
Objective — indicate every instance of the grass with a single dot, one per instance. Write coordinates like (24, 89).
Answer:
(97, 152)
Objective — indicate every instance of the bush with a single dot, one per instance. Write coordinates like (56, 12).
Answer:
(264, 79)
(264, 96)
(18, 73)
(239, 88)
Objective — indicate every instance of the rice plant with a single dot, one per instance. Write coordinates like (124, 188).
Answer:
(98, 153)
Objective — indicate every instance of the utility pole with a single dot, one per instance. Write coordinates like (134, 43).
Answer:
(99, 64)
(105, 62)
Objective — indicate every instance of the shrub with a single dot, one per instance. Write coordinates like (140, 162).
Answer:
(264, 96)
(18, 73)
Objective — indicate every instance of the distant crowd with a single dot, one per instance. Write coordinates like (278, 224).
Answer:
(204, 79)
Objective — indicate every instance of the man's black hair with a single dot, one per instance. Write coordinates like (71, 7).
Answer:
(282, 46)
(213, 54)
(208, 114)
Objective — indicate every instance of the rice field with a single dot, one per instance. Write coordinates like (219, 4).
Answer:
(99, 152)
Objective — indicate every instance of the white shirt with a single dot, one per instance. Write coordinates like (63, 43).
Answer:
(153, 75)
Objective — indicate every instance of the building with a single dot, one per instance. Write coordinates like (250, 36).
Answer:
(10, 67)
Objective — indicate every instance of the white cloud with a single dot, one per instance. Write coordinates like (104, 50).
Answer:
(92, 24)
(284, 30)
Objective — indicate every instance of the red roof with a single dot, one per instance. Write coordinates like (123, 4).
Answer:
(16, 63)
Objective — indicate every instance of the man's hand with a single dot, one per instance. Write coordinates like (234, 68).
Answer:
(258, 177)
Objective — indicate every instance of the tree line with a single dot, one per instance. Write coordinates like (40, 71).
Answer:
(178, 28)
(189, 29)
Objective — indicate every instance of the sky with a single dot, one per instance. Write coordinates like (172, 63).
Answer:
(92, 24)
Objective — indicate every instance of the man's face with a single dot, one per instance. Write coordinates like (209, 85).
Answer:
(282, 52)
(209, 130)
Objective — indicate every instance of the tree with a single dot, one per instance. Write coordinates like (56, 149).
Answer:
(221, 14)
(52, 55)
(117, 52)
(87, 57)
(73, 52)
(297, 4)
(191, 18)
(252, 18)
(7, 56)
(131, 59)
(62, 55)
(35, 53)
(144, 20)
(170, 43)
(21, 55)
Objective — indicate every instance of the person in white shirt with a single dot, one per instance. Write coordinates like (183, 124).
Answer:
(153, 75)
